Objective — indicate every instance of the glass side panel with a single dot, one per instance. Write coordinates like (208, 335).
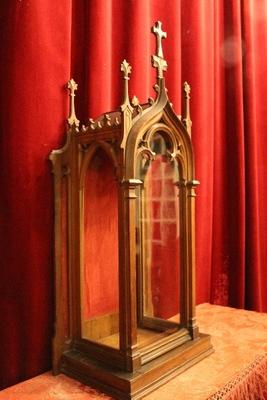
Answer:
(159, 236)
(99, 270)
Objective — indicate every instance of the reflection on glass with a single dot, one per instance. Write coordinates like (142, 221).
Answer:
(159, 224)
(99, 272)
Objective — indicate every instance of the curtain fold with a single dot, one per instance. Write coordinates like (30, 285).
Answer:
(229, 221)
(219, 47)
(35, 64)
(254, 25)
(197, 63)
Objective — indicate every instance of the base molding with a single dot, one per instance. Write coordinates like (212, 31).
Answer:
(124, 385)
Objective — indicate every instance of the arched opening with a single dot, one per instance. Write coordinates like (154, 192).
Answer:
(159, 246)
(99, 266)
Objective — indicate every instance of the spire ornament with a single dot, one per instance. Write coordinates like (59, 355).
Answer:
(72, 120)
(126, 69)
(158, 58)
(126, 107)
(187, 120)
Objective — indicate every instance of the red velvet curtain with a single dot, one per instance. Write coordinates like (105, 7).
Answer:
(219, 47)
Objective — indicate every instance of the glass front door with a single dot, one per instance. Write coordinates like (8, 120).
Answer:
(158, 237)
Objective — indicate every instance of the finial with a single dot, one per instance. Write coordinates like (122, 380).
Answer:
(126, 108)
(160, 35)
(135, 101)
(126, 69)
(158, 59)
(187, 120)
(187, 90)
(72, 120)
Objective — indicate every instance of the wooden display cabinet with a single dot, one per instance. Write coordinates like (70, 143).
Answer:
(125, 244)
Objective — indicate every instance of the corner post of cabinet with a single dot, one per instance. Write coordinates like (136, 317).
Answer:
(184, 304)
(128, 301)
(61, 323)
(191, 195)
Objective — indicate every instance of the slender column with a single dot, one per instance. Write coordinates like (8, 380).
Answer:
(58, 338)
(184, 305)
(191, 185)
(62, 333)
(128, 301)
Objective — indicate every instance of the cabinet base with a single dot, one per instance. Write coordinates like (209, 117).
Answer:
(124, 385)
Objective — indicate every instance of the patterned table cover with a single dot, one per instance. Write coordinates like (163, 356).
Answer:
(237, 370)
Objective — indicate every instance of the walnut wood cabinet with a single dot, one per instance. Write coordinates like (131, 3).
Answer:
(125, 244)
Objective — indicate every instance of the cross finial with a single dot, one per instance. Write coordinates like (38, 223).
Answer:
(72, 86)
(160, 35)
(158, 60)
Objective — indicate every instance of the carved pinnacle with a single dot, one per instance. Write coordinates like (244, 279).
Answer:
(126, 69)
(187, 90)
(187, 120)
(72, 120)
(135, 101)
(126, 108)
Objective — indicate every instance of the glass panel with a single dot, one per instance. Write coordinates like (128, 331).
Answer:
(99, 272)
(160, 232)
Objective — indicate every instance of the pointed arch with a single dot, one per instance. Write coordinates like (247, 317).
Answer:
(91, 151)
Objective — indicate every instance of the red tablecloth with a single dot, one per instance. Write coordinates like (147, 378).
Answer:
(237, 370)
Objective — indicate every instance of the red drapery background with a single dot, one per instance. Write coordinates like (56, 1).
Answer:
(219, 47)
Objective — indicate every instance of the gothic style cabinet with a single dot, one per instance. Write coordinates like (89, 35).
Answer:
(125, 244)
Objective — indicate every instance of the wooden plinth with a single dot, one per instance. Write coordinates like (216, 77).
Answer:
(124, 386)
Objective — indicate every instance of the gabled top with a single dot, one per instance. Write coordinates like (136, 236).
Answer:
(131, 110)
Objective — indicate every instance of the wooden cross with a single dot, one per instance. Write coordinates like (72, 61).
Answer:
(159, 35)
(157, 59)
